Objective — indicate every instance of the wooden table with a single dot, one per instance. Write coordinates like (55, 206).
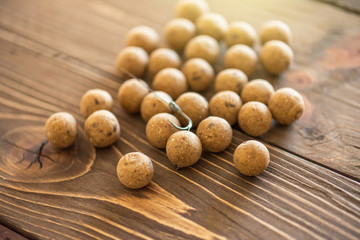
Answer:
(52, 52)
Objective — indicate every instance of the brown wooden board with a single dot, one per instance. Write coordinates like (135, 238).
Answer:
(52, 52)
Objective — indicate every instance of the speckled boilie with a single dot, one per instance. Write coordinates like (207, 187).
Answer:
(191, 9)
(152, 104)
(143, 36)
(204, 47)
(135, 170)
(178, 32)
(131, 93)
(276, 57)
(102, 128)
(286, 105)
(159, 129)
(199, 74)
(93, 100)
(194, 105)
(230, 79)
(212, 24)
(242, 57)
(215, 134)
(240, 33)
(225, 104)
(251, 158)
(61, 129)
(163, 58)
(254, 118)
(257, 90)
(275, 30)
(170, 80)
(183, 149)
(133, 60)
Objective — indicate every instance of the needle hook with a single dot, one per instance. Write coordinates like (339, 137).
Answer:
(175, 108)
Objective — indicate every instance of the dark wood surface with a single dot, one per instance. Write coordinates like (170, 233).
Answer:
(52, 52)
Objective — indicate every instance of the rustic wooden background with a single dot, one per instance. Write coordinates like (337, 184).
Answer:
(52, 52)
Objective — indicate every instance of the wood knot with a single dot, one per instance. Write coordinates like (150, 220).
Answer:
(27, 157)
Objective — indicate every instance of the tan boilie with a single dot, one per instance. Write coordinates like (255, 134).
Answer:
(257, 90)
(242, 57)
(254, 118)
(135, 170)
(286, 105)
(183, 149)
(61, 129)
(195, 106)
(251, 158)
(102, 128)
(275, 30)
(276, 57)
(204, 47)
(230, 79)
(152, 104)
(191, 9)
(143, 36)
(178, 32)
(215, 134)
(163, 58)
(240, 33)
(199, 74)
(131, 93)
(132, 61)
(225, 104)
(93, 100)
(170, 80)
(159, 129)
(212, 24)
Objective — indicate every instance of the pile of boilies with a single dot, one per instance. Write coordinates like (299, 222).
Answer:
(194, 35)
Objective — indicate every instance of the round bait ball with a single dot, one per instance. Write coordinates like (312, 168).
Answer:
(276, 56)
(195, 106)
(286, 105)
(191, 9)
(275, 30)
(240, 33)
(254, 118)
(170, 80)
(215, 134)
(133, 60)
(93, 100)
(144, 37)
(230, 79)
(163, 58)
(178, 32)
(102, 128)
(199, 74)
(204, 47)
(131, 93)
(251, 158)
(152, 105)
(225, 104)
(212, 24)
(242, 57)
(159, 129)
(61, 129)
(257, 90)
(135, 170)
(183, 149)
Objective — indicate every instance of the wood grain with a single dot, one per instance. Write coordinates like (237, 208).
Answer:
(52, 52)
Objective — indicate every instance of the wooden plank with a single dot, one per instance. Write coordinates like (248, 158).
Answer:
(349, 5)
(326, 70)
(292, 199)
(7, 234)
